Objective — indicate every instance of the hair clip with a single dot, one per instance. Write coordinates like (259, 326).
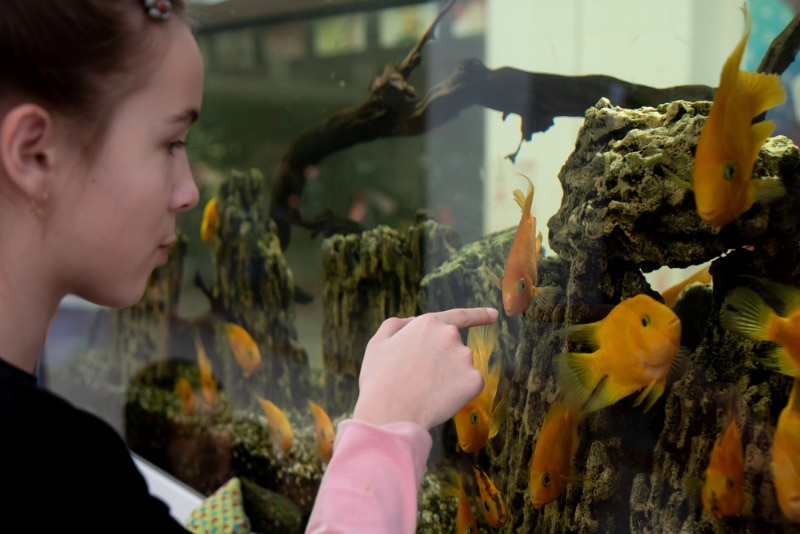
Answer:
(158, 9)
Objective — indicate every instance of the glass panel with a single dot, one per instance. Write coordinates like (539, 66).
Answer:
(339, 192)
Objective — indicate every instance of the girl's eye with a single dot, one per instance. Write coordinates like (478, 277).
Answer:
(172, 146)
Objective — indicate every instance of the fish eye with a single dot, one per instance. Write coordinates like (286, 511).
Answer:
(473, 417)
(728, 170)
(521, 285)
(645, 320)
(546, 479)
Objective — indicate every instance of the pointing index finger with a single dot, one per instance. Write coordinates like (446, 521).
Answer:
(466, 317)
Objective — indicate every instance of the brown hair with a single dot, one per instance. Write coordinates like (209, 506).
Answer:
(75, 57)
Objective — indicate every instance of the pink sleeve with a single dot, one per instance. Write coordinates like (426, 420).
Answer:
(372, 480)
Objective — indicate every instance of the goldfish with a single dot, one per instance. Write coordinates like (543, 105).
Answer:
(494, 507)
(324, 429)
(785, 464)
(453, 486)
(748, 314)
(279, 426)
(477, 422)
(729, 142)
(520, 274)
(636, 345)
(670, 295)
(210, 222)
(186, 394)
(208, 384)
(244, 348)
(723, 481)
(555, 447)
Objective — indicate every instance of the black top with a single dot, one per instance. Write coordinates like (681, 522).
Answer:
(63, 469)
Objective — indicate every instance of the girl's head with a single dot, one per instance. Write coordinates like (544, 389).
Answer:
(96, 100)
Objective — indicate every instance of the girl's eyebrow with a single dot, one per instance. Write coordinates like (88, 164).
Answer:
(189, 116)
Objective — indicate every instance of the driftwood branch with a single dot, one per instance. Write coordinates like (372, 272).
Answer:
(391, 109)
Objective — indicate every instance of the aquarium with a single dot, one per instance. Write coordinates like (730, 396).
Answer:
(601, 172)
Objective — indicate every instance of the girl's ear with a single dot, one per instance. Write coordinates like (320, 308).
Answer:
(26, 149)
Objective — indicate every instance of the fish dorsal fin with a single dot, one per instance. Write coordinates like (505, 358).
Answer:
(760, 91)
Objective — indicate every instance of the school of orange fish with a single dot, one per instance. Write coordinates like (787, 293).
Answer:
(648, 355)
(640, 362)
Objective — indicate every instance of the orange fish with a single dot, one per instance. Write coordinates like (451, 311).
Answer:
(729, 142)
(785, 464)
(520, 273)
(279, 426)
(477, 422)
(210, 222)
(494, 507)
(208, 384)
(555, 447)
(636, 345)
(748, 314)
(186, 394)
(324, 429)
(723, 481)
(453, 486)
(243, 347)
(670, 295)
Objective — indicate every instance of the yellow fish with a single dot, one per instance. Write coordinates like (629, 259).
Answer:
(748, 314)
(520, 274)
(208, 384)
(494, 507)
(279, 426)
(555, 447)
(186, 394)
(453, 486)
(243, 347)
(210, 222)
(729, 142)
(723, 481)
(670, 295)
(636, 345)
(324, 429)
(477, 422)
(785, 464)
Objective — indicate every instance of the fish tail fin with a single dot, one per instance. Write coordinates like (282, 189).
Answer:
(481, 339)
(524, 201)
(762, 91)
(499, 416)
(746, 313)
(575, 374)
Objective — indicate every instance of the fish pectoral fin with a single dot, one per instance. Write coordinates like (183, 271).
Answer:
(760, 91)
(759, 132)
(650, 394)
(493, 277)
(499, 416)
(685, 184)
(768, 190)
(575, 375)
(603, 395)
(778, 359)
(746, 313)
(680, 364)
(546, 296)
